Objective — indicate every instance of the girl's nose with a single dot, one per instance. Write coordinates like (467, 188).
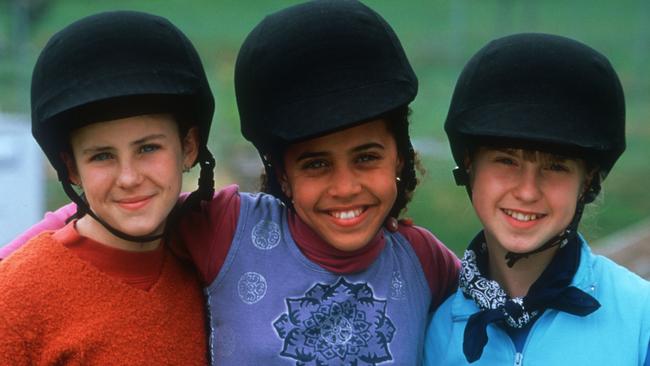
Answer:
(128, 175)
(527, 186)
(344, 182)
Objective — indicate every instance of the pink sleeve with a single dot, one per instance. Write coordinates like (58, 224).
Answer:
(440, 265)
(51, 221)
(207, 234)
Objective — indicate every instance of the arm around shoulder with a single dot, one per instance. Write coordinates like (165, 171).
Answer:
(51, 221)
(208, 233)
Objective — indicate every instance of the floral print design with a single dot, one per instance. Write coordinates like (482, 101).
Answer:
(340, 324)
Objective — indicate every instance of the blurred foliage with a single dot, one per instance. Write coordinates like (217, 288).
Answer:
(439, 36)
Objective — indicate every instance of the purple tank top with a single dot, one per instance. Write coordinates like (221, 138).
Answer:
(270, 305)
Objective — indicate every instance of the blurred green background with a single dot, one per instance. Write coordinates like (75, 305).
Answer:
(439, 37)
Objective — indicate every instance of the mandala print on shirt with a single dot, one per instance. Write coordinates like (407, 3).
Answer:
(265, 235)
(251, 287)
(340, 324)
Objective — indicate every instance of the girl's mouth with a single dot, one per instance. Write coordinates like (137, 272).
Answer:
(347, 214)
(521, 216)
(134, 203)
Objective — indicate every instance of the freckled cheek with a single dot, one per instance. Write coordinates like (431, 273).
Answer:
(97, 177)
(169, 168)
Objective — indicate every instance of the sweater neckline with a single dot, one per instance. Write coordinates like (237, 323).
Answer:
(137, 269)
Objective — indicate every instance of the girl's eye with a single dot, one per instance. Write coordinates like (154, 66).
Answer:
(505, 160)
(365, 158)
(314, 164)
(558, 167)
(101, 156)
(149, 148)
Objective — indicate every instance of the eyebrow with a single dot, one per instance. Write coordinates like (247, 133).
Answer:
(140, 141)
(317, 154)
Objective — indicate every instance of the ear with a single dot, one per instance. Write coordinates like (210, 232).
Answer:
(71, 166)
(589, 177)
(284, 183)
(399, 167)
(190, 147)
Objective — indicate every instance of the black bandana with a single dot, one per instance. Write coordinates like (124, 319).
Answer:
(551, 290)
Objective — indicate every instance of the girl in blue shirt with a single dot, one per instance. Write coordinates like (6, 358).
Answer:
(536, 123)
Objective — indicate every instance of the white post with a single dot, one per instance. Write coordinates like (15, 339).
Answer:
(21, 178)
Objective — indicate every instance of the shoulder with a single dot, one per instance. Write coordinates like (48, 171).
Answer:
(199, 225)
(439, 331)
(428, 248)
(29, 277)
(260, 205)
(616, 287)
(260, 198)
(224, 200)
(39, 263)
(624, 297)
(619, 278)
(420, 238)
(51, 221)
(443, 314)
(37, 252)
(206, 233)
(227, 194)
(439, 264)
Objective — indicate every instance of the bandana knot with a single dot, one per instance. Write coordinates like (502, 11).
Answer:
(488, 294)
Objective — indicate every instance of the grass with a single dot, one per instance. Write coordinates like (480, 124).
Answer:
(439, 36)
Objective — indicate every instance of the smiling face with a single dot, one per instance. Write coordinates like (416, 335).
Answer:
(130, 170)
(343, 184)
(524, 198)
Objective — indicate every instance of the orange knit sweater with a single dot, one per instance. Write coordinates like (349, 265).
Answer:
(56, 309)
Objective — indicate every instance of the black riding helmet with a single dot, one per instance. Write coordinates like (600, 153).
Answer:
(114, 65)
(316, 68)
(542, 92)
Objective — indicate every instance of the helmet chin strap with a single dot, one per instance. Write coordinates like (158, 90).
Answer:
(82, 208)
(561, 239)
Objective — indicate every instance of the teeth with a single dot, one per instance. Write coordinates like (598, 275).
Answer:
(521, 216)
(347, 215)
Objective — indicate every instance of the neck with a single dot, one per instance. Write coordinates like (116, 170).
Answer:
(325, 255)
(516, 280)
(90, 228)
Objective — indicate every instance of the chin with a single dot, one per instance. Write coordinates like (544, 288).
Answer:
(518, 246)
(350, 246)
(141, 230)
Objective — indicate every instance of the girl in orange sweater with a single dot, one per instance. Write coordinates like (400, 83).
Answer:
(121, 107)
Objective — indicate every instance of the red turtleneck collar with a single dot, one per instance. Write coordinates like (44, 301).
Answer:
(319, 251)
